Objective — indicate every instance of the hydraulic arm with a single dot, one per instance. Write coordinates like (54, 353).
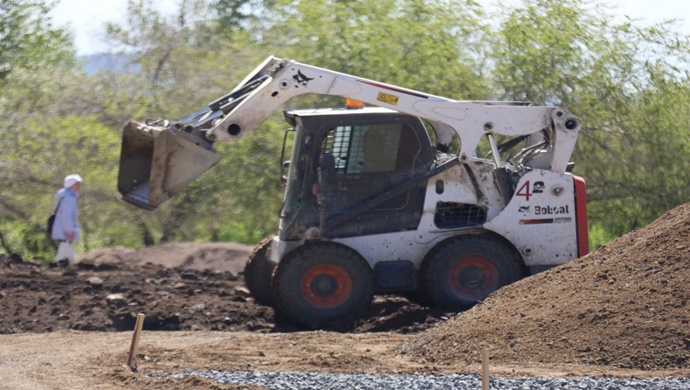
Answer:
(159, 159)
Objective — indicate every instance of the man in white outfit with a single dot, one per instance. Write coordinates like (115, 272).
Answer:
(66, 225)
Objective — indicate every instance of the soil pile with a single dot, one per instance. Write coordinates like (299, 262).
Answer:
(625, 305)
(183, 286)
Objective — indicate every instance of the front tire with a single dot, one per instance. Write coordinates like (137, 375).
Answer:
(323, 285)
(461, 271)
(258, 273)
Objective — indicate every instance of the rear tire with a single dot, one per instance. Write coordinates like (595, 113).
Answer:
(258, 273)
(323, 286)
(461, 271)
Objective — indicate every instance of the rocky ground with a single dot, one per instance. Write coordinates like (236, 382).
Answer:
(622, 310)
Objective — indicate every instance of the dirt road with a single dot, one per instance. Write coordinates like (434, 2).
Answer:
(95, 360)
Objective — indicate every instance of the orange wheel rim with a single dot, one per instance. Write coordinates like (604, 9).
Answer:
(473, 277)
(326, 286)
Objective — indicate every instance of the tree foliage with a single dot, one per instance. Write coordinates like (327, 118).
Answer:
(626, 80)
(434, 46)
(32, 53)
(27, 38)
(186, 67)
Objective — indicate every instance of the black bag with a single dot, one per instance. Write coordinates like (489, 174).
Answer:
(51, 220)
(49, 225)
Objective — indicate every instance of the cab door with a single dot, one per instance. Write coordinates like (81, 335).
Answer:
(365, 171)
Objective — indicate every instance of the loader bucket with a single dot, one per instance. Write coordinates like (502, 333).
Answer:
(157, 162)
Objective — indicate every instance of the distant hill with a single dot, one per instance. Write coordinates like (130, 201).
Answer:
(104, 62)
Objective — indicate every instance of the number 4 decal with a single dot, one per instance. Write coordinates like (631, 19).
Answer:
(524, 191)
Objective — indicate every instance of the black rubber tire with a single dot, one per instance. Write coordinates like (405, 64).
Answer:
(323, 286)
(461, 271)
(258, 273)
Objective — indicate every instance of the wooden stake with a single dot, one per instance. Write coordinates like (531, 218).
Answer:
(131, 361)
(485, 369)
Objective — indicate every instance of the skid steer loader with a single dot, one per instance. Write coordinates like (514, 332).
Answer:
(392, 198)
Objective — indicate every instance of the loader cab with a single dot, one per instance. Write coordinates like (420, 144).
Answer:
(354, 172)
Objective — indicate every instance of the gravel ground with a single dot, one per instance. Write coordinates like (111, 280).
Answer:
(315, 380)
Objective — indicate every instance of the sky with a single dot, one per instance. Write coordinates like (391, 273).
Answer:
(86, 18)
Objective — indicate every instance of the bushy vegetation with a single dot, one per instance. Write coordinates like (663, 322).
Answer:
(628, 82)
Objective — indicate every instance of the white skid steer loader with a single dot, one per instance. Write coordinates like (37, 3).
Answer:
(372, 204)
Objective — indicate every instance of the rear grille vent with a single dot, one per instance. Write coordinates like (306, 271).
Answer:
(456, 215)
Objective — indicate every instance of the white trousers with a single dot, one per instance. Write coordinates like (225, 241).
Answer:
(66, 251)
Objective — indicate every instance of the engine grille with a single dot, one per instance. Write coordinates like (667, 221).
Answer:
(456, 215)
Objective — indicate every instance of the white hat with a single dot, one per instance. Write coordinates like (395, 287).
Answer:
(70, 180)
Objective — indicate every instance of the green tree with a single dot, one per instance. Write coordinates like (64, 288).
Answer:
(30, 48)
(34, 170)
(28, 40)
(186, 67)
(232, 15)
(434, 46)
(568, 53)
(626, 82)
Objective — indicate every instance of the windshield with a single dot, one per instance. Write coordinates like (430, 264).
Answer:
(299, 158)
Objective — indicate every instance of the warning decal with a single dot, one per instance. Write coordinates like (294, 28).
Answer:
(387, 98)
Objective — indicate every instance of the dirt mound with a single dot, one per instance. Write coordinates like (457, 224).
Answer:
(228, 257)
(625, 305)
(186, 286)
